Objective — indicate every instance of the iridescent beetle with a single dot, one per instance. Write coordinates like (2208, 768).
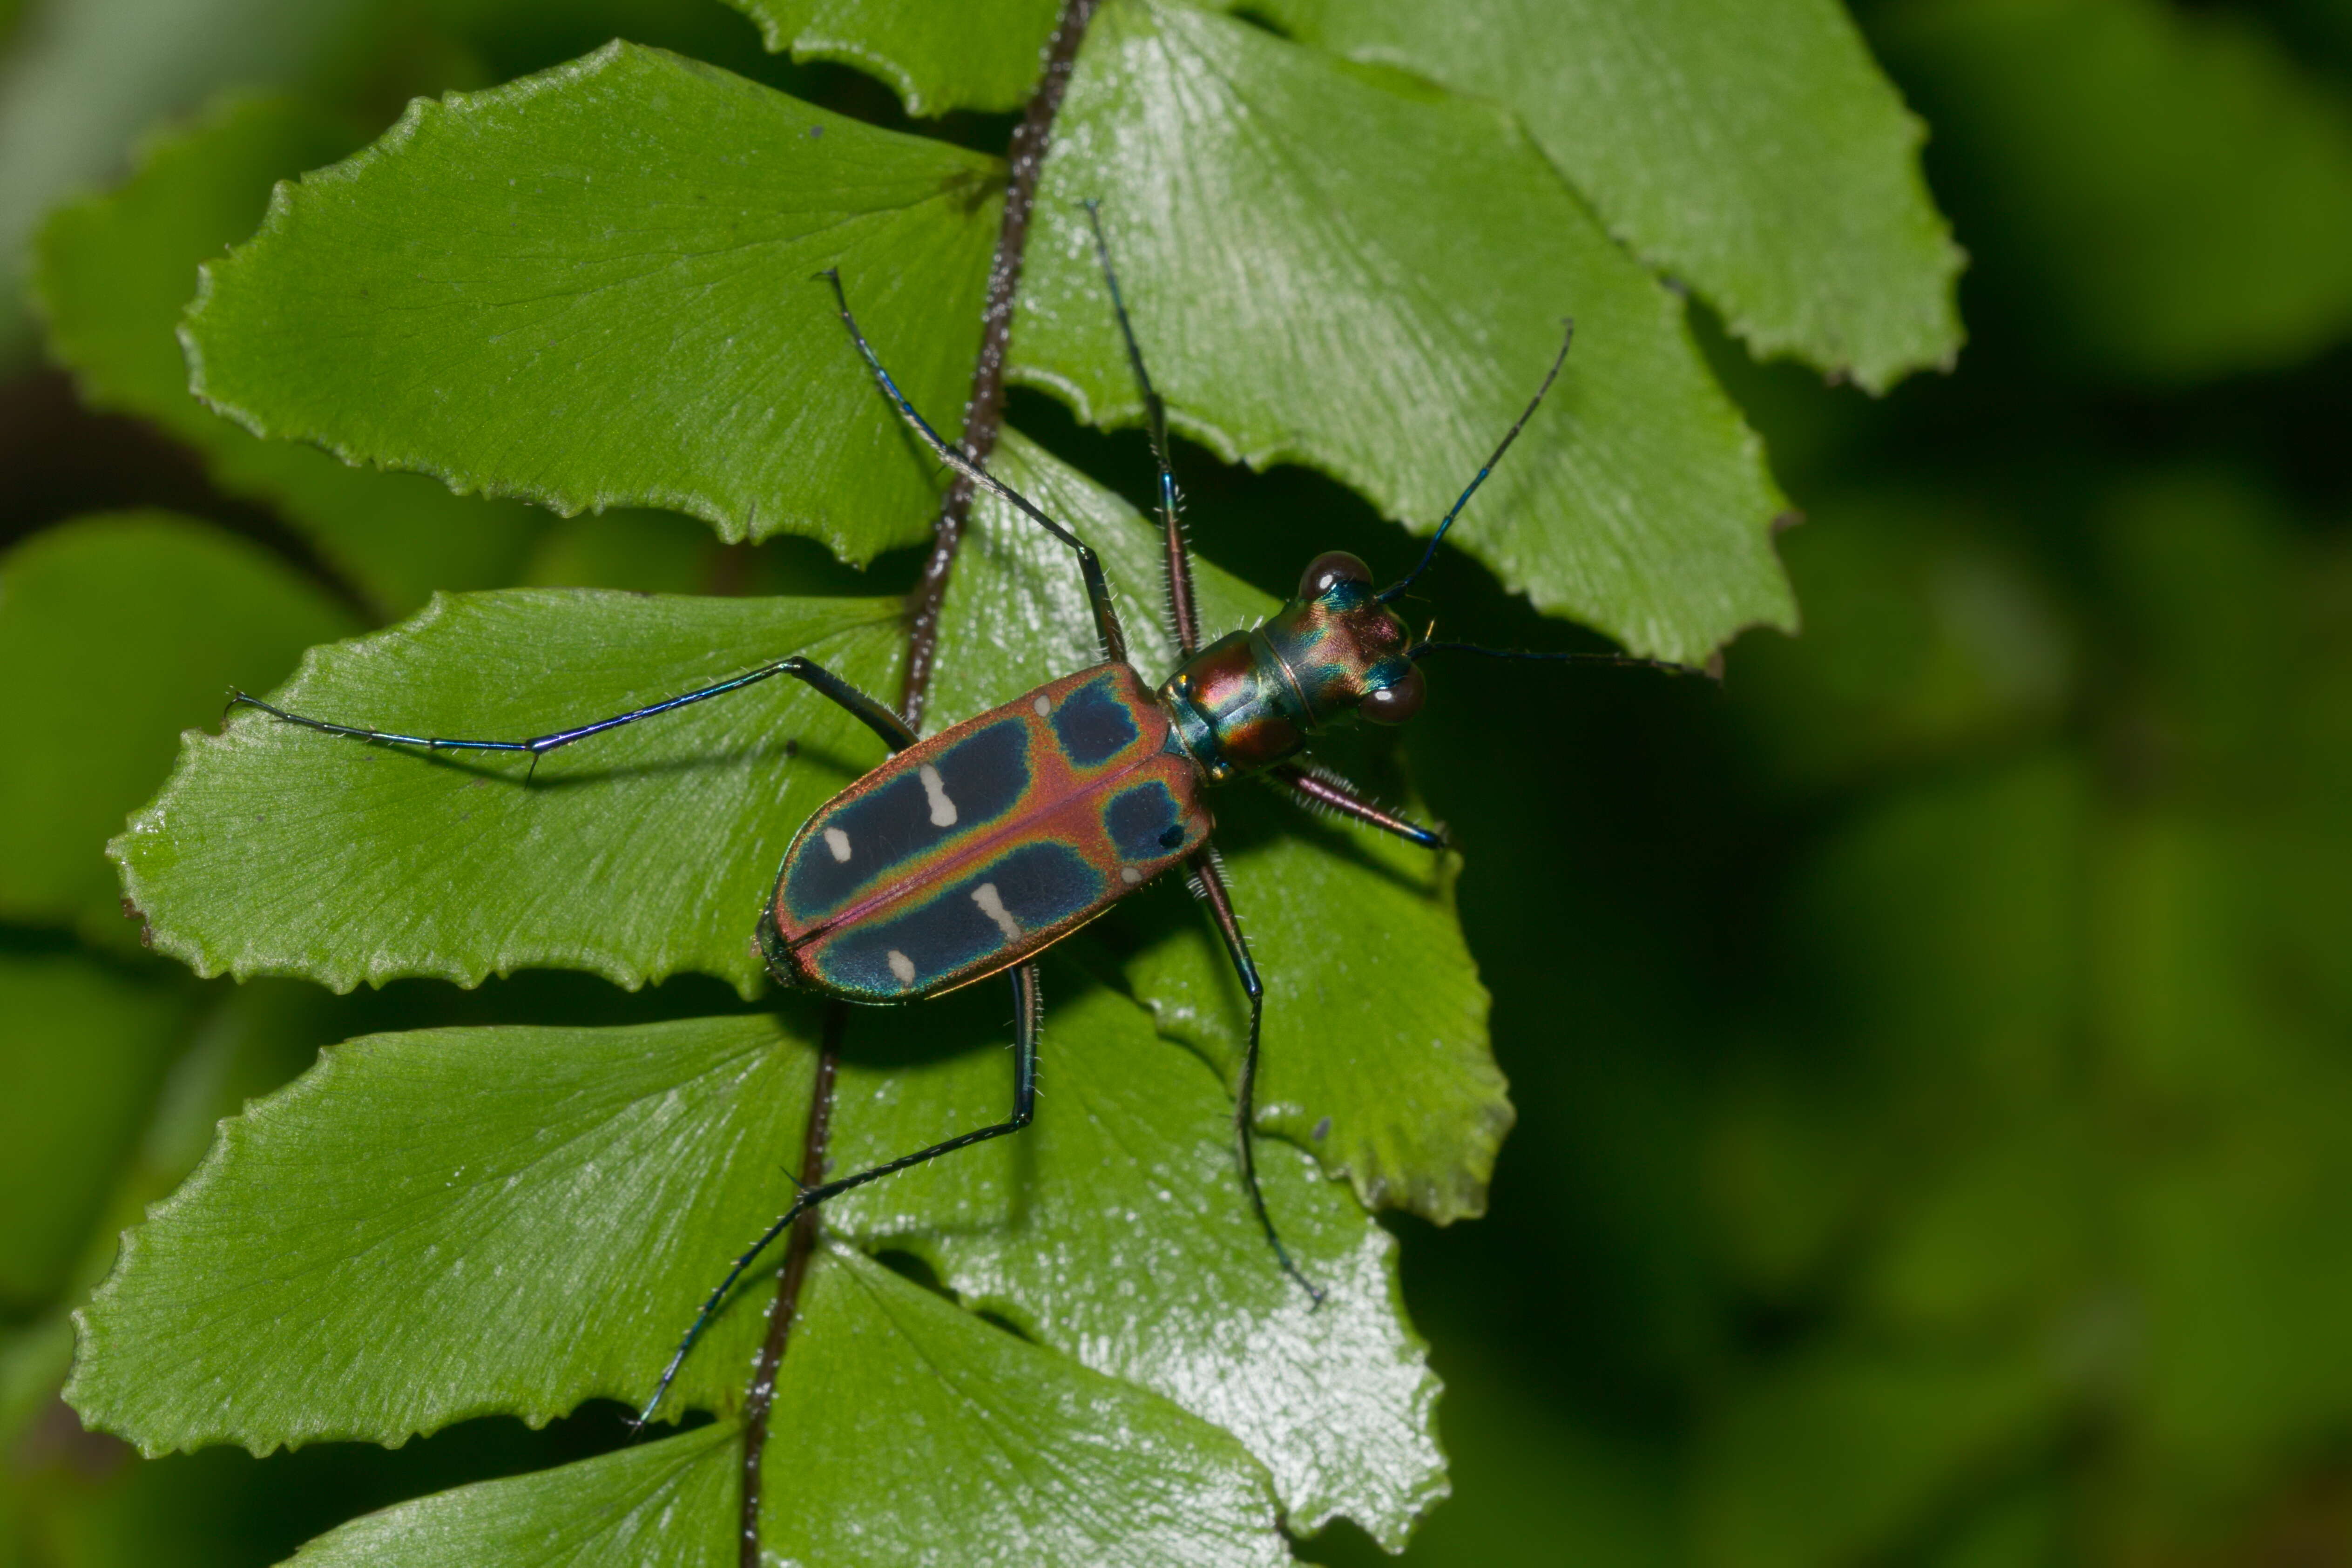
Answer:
(965, 854)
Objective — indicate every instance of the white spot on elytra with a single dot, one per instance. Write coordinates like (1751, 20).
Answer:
(902, 967)
(838, 842)
(1041, 707)
(1130, 875)
(943, 812)
(994, 908)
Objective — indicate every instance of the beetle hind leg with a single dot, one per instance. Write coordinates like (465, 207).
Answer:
(1028, 1018)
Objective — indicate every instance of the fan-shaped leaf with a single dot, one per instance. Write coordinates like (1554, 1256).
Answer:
(635, 854)
(1752, 149)
(1342, 268)
(595, 287)
(1115, 1229)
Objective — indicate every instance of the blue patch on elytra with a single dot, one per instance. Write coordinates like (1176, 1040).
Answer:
(984, 774)
(1037, 886)
(1093, 725)
(1144, 823)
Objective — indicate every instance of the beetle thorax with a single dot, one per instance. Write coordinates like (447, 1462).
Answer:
(1251, 699)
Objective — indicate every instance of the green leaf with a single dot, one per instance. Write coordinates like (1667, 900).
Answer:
(900, 1426)
(111, 274)
(1337, 267)
(1751, 150)
(638, 855)
(1115, 1229)
(420, 1186)
(595, 287)
(2174, 191)
(901, 1423)
(670, 1504)
(116, 632)
(1375, 1053)
(580, 1189)
(937, 58)
(81, 1050)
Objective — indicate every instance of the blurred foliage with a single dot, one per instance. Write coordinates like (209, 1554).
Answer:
(1931, 1049)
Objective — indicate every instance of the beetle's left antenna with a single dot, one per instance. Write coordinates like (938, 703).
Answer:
(1393, 589)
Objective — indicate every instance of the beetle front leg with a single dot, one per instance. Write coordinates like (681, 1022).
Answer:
(1320, 791)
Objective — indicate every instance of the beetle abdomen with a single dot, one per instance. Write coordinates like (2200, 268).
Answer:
(971, 850)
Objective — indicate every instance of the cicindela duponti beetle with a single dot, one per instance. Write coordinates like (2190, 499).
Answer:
(967, 853)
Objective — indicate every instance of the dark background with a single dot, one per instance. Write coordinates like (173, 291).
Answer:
(1931, 1046)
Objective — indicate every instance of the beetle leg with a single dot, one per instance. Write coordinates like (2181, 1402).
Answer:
(1320, 791)
(1028, 1016)
(1209, 883)
(1185, 621)
(875, 715)
(1107, 627)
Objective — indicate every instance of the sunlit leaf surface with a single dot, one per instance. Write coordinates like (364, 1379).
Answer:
(597, 287)
(1293, 308)
(1749, 148)
(635, 854)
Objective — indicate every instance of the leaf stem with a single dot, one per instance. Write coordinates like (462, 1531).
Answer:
(983, 413)
(797, 1248)
(983, 418)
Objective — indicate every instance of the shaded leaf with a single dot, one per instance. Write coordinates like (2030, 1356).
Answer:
(1294, 309)
(635, 854)
(116, 632)
(936, 57)
(670, 1504)
(82, 1049)
(1752, 150)
(113, 273)
(1375, 1019)
(1115, 1229)
(595, 288)
(2174, 194)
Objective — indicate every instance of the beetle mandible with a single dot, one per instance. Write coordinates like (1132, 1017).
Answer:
(965, 854)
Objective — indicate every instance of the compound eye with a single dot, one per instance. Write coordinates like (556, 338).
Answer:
(1330, 569)
(1395, 704)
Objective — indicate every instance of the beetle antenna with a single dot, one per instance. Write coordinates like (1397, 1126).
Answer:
(1668, 666)
(1510, 435)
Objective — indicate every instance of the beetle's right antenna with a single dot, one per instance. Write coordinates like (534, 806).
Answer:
(1393, 589)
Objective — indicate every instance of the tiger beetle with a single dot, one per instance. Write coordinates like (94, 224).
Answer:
(969, 853)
